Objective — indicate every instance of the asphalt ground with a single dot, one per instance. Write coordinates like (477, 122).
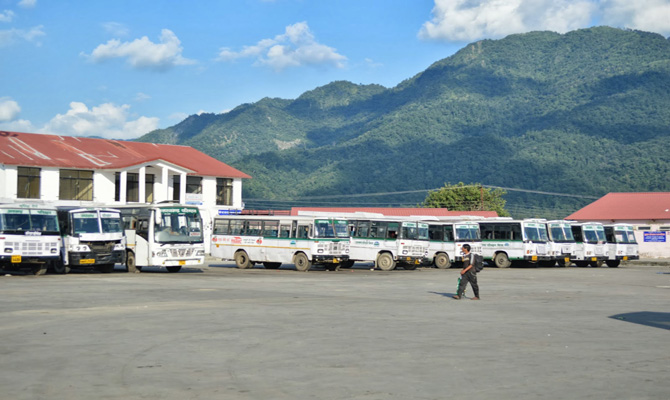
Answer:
(217, 332)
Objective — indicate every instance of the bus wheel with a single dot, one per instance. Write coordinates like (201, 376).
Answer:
(301, 262)
(596, 264)
(60, 268)
(242, 260)
(409, 266)
(174, 269)
(271, 265)
(39, 269)
(613, 263)
(385, 262)
(131, 266)
(561, 263)
(502, 261)
(442, 261)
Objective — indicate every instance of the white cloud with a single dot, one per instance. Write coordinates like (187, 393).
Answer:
(294, 48)
(142, 96)
(143, 53)
(27, 3)
(466, 20)
(9, 109)
(646, 15)
(10, 36)
(106, 120)
(7, 16)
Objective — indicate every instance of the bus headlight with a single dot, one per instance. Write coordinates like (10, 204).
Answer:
(8, 250)
(54, 251)
(79, 248)
(119, 246)
(200, 253)
(161, 253)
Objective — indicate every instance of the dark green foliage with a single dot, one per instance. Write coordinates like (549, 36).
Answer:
(584, 113)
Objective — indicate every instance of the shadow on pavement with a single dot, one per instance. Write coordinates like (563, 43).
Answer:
(647, 318)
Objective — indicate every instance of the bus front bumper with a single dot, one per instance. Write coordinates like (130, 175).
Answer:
(330, 259)
(91, 258)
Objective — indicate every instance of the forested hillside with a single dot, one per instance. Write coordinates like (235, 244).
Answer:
(581, 113)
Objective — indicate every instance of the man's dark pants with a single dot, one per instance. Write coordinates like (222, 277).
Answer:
(470, 276)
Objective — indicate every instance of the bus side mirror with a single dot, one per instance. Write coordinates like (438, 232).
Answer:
(158, 217)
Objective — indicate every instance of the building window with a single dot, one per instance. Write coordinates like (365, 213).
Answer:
(76, 185)
(133, 187)
(149, 188)
(224, 192)
(194, 184)
(29, 183)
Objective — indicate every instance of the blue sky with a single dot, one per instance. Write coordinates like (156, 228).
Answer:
(119, 69)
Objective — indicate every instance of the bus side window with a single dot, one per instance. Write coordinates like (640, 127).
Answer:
(221, 227)
(285, 231)
(449, 233)
(303, 231)
(516, 232)
(270, 228)
(143, 228)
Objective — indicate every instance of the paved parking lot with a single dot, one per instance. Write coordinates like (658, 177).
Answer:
(221, 333)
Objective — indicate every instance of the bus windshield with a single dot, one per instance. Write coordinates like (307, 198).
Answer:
(111, 222)
(560, 234)
(342, 229)
(467, 232)
(627, 237)
(85, 222)
(535, 233)
(324, 228)
(179, 225)
(594, 235)
(414, 231)
(19, 221)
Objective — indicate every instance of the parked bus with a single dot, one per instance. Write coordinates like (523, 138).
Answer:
(590, 244)
(621, 244)
(275, 240)
(92, 238)
(389, 242)
(561, 242)
(506, 241)
(163, 235)
(447, 239)
(29, 238)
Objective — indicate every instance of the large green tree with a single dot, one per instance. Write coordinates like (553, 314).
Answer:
(462, 197)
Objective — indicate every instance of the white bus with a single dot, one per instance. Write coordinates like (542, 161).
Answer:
(506, 241)
(447, 239)
(275, 240)
(92, 238)
(561, 242)
(590, 244)
(621, 244)
(163, 235)
(389, 242)
(29, 238)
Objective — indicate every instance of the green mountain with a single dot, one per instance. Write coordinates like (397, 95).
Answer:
(583, 113)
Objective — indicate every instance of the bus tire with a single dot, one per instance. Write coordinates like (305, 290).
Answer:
(613, 263)
(442, 261)
(242, 260)
(501, 260)
(106, 268)
(347, 264)
(596, 264)
(39, 269)
(409, 266)
(174, 269)
(385, 262)
(131, 266)
(301, 262)
(561, 263)
(271, 265)
(59, 267)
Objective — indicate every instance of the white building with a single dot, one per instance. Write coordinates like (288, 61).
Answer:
(648, 212)
(65, 170)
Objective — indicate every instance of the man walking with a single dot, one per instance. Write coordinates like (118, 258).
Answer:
(468, 274)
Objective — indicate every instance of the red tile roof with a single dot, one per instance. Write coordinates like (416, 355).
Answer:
(437, 212)
(626, 206)
(30, 149)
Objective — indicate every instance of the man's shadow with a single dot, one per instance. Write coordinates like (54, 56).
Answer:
(444, 294)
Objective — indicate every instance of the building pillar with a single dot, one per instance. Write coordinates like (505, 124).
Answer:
(142, 196)
(182, 188)
(123, 187)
